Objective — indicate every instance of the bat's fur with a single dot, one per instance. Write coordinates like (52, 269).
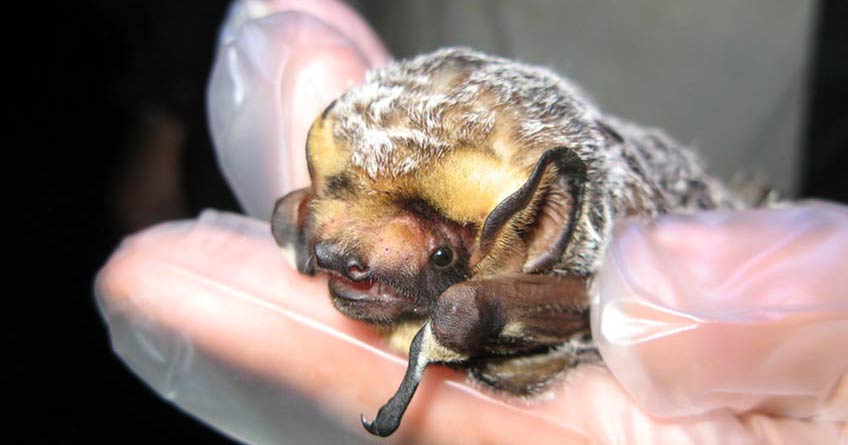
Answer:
(425, 149)
(411, 113)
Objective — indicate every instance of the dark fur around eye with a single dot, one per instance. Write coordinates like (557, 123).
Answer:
(422, 210)
(433, 280)
(431, 217)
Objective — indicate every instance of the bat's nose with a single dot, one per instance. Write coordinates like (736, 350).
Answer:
(331, 257)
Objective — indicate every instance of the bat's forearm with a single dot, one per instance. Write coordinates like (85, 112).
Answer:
(510, 313)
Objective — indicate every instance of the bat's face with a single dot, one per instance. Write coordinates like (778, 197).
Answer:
(391, 244)
(438, 170)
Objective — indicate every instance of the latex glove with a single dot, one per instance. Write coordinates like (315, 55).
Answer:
(730, 312)
(210, 315)
(279, 64)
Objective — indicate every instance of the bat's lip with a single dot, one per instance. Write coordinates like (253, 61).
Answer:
(373, 301)
(363, 291)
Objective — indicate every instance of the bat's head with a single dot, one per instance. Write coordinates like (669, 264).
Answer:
(436, 170)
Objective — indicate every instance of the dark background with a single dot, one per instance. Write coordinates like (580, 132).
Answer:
(111, 82)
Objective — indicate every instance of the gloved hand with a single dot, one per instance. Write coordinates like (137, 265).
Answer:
(720, 328)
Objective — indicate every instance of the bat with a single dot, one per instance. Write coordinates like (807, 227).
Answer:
(462, 202)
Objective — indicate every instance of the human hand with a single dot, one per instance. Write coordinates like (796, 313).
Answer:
(209, 314)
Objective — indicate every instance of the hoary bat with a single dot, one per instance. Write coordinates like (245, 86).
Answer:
(463, 202)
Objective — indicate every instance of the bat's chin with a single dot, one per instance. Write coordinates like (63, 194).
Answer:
(371, 301)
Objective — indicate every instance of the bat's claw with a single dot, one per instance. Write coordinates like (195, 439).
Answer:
(366, 424)
(378, 427)
(389, 416)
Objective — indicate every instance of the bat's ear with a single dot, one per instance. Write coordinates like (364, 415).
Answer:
(288, 225)
(542, 213)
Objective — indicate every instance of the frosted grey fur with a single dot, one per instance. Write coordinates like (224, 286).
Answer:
(412, 112)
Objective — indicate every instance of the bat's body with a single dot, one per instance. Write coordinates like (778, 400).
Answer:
(466, 200)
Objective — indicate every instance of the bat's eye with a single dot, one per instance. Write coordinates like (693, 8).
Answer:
(442, 257)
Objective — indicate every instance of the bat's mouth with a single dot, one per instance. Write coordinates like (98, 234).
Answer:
(369, 300)
(367, 290)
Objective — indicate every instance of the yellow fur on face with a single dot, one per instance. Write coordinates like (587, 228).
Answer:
(466, 185)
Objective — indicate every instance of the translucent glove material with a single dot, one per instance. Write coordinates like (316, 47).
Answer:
(211, 316)
(729, 311)
(278, 65)
(204, 311)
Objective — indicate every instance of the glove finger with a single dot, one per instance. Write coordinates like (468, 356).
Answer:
(729, 310)
(277, 66)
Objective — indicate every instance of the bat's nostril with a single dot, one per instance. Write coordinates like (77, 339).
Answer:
(356, 270)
